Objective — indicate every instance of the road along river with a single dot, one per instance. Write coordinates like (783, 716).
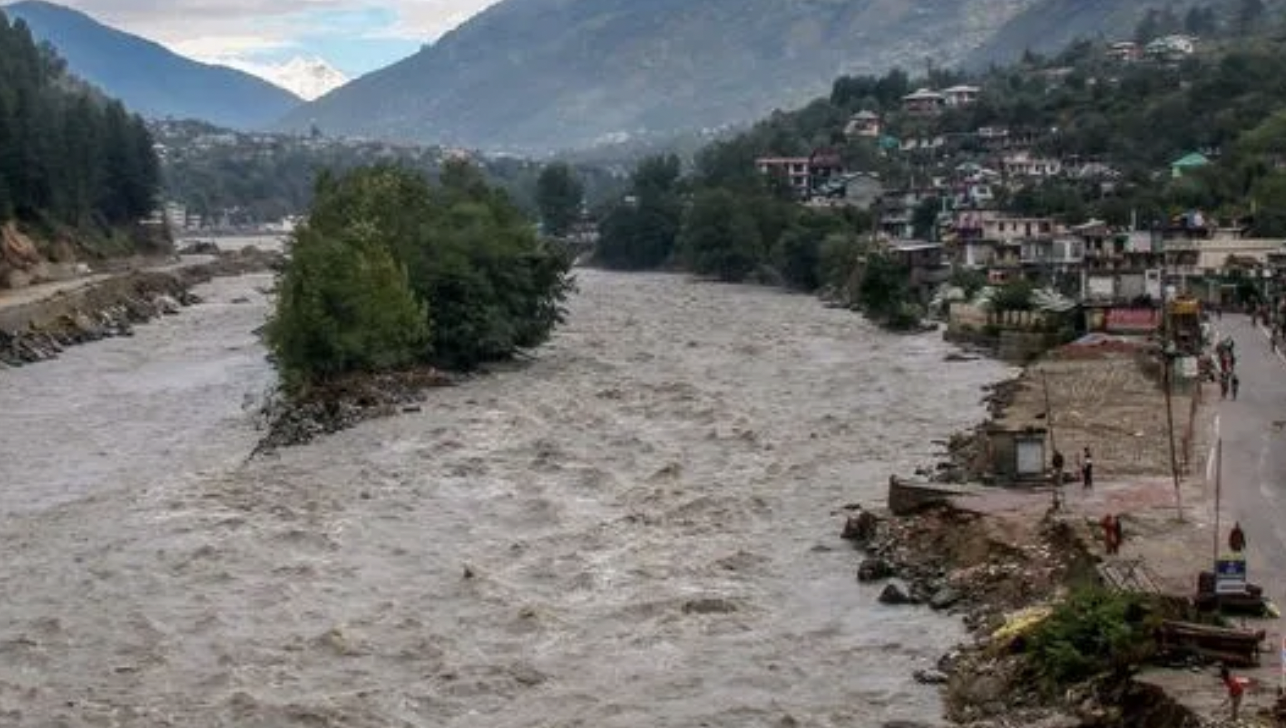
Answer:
(637, 530)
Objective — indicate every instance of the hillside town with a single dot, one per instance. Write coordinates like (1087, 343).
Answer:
(222, 181)
(951, 207)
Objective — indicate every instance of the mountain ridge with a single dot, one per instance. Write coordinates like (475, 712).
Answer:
(307, 77)
(147, 77)
(536, 74)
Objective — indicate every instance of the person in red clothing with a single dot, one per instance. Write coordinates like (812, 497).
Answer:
(1235, 689)
(1237, 539)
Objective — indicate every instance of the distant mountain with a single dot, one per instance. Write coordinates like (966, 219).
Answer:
(306, 78)
(536, 74)
(150, 79)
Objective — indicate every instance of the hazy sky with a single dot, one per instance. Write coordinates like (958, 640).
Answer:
(355, 36)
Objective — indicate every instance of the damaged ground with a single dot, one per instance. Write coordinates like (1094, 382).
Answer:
(37, 324)
(994, 553)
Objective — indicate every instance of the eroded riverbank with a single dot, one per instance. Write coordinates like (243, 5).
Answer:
(636, 529)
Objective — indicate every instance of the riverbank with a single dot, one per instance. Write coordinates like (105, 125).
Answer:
(990, 553)
(38, 323)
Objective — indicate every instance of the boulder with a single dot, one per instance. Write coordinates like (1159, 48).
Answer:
(930, 677)
(167, 305)
(860, 528)
(945, 598)
(873, 569)
(893, 594)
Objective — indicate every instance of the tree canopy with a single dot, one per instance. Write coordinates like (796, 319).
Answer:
(68, 157)
(392, 270)
(559, 194)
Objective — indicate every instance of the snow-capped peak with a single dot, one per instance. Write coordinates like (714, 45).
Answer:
(306, 77)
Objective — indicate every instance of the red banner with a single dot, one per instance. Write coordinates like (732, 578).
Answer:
(1131, 319)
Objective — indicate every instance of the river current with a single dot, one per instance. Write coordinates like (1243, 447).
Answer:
(638, 529)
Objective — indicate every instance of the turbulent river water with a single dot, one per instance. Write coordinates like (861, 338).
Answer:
(647, 513)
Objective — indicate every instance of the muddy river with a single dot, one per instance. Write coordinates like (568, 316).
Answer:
(636, 530)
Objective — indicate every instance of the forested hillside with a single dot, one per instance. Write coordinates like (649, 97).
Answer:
(149, 78)
(69, 159)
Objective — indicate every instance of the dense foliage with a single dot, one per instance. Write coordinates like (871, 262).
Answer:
(559, 195)
(393, 270)
(1091, 633)
(67, 156)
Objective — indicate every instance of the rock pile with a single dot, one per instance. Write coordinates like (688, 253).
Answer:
(341, 404)
(118, 319)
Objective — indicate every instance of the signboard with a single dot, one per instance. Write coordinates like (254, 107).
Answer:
(1122, 320)
(1230, 574)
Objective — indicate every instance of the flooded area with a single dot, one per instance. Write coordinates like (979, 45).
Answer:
(637, 529)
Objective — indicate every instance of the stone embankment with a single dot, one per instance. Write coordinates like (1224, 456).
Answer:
(37, 328)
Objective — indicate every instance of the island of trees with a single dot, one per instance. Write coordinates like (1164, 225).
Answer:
(74, 166)
(393, 273)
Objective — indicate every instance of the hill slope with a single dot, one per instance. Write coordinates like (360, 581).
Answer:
(150, 79)
(535, 74)
(529, 74)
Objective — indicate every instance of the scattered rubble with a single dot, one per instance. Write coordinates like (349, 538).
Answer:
(113, 307)
(343, 403)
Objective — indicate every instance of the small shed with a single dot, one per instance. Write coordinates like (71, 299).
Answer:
(1018, 455)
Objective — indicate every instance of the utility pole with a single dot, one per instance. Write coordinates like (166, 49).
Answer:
(1218, 491)
(1167, 364)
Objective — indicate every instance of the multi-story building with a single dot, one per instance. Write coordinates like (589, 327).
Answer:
(924, 102)
(803, 174)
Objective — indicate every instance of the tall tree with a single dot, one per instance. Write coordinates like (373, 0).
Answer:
(559, 194)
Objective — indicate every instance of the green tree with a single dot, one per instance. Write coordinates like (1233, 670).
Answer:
(491, 285)
(720, 237)
(559, 195)
(883, 287)
(344, 305)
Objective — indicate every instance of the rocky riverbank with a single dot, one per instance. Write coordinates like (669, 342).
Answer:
(985, 569)
(993, 558)
(40, 329)
(343, 403)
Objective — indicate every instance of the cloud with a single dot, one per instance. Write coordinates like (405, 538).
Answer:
(218, 29)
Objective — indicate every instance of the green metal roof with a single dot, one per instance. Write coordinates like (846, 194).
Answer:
(1195, 159)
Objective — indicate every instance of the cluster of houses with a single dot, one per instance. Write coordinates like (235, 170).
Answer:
(1166, 49)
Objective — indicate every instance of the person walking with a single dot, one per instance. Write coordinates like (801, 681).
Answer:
(1087, 470)
(1109, 534)
(1235, 690)
(1236, 384)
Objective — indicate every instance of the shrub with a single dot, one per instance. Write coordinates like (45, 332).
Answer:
(1093, 632)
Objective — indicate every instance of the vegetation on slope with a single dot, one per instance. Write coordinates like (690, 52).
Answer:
(724, 219)
(547, 74)
(69, 159)
(148, 77)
